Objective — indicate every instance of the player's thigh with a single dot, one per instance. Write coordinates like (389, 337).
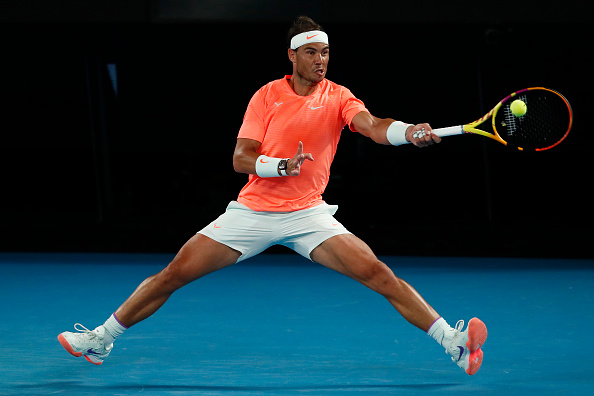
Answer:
(200, 256)
(350, 256)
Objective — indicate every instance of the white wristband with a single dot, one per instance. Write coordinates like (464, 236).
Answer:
(396, 133)
(267, 166)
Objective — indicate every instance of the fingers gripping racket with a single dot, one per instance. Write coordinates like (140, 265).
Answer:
(545, 122)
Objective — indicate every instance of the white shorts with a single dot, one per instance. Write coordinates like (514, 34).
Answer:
(251, 232)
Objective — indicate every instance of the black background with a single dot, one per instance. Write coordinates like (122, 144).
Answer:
(87, 168)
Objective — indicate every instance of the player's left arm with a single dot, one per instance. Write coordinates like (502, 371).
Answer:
(247, 152)
(376, 129)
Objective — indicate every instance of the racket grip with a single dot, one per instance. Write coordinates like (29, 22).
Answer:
(449, 131)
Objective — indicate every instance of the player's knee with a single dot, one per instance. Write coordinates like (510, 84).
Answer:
(376, 274)
(172, 277)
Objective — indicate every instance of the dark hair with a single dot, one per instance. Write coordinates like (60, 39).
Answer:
(302, 24)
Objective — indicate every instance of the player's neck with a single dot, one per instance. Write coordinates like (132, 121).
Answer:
(301, 86)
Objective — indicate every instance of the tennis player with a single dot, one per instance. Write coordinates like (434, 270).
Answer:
(286, 144)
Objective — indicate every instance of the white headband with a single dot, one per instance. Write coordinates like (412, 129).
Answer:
(314, 36)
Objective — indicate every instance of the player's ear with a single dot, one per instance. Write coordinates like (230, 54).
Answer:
(292, 55)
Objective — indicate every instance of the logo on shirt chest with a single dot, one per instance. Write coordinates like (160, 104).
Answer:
(316, 107)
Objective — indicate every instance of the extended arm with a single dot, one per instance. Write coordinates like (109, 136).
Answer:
(377, 128)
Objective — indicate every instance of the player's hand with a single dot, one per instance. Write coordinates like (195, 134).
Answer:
(420, 135)
(294, 164)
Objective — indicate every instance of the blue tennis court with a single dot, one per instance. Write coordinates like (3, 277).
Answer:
(278, 324)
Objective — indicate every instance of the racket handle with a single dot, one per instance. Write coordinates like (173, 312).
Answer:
(449, 131)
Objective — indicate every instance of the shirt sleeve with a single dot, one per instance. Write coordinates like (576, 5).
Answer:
(253, 120)
(351, 106)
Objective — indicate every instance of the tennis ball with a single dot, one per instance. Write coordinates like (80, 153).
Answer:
(518, 108)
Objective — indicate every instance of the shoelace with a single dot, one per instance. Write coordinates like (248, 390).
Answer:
(83, 329)
(457, 329)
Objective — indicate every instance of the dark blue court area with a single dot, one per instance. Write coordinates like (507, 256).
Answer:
(278, 324)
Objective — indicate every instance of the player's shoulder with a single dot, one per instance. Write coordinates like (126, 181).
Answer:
(332, 85)
(270, 88)
(335, 87)
(337, 90)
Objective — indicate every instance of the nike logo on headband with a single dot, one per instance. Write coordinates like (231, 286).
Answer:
(313, 36)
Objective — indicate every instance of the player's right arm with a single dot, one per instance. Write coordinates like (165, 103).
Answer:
(377, 128)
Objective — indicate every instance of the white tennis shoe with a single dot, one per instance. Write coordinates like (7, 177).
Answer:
(86, 343)
(465, 346)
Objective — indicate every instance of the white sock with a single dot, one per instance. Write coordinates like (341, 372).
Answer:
(113, 329)
(438, 330)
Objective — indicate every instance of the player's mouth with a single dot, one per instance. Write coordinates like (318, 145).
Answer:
(320, 72)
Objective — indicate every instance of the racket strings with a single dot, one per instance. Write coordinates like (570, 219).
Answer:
(545, 123)
(511, 121)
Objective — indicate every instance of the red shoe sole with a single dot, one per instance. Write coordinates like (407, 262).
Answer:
(92, 362)
(477, 335)
(67, 346)
(70, 350)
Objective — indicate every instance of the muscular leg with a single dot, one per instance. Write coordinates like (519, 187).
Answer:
(198, 257)
(351, 256)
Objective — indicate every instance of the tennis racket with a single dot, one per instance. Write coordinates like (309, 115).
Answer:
(545, 124)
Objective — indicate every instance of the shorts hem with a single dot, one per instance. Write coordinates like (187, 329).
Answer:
(322, 240)
(208, 235)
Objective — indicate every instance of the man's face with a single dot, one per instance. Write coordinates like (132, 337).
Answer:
(310, 61)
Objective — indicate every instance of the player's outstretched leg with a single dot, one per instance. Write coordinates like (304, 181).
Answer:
(349, 255)
(198, 257)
